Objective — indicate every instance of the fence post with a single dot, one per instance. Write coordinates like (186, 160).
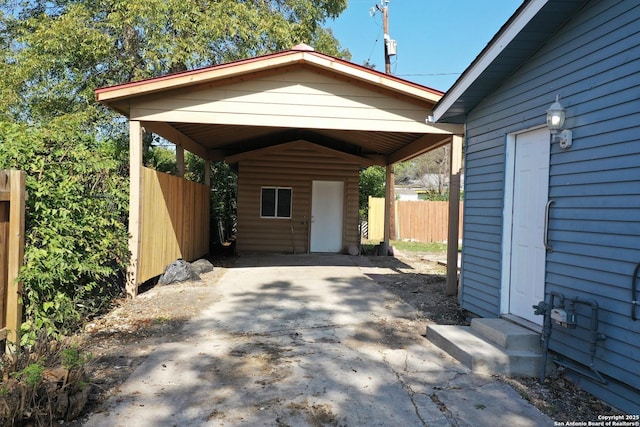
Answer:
(5, 196)
(12, 192)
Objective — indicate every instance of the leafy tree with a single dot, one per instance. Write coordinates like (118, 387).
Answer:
(158, 156)
(224, 187)
(223, 201)
(372, 183)
(431, 170)
(53, 54)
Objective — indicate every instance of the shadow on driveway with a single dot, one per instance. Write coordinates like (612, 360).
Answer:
(307, 340)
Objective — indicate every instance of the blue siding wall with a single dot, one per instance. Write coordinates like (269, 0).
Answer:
(593, 63)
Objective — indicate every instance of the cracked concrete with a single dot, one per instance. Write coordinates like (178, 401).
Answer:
(308, 340)
(411, 394)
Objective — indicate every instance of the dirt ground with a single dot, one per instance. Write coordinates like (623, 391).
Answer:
(121, 339)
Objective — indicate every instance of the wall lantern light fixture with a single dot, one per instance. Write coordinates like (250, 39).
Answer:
(555, 122)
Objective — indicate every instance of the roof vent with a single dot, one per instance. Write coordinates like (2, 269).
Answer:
(302, 47)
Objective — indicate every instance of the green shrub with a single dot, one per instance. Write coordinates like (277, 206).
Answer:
(44, 383)
(75, 233)
(31, 375)
(372, 184)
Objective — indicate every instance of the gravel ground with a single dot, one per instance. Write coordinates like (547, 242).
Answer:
(121, 339)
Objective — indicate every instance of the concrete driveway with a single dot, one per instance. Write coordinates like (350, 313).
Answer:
(295, 340)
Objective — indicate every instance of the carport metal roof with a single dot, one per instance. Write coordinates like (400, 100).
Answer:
(381, 143)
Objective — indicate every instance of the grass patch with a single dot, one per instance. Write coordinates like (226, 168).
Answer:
(160, 320)
(407, 246)
(419, 246)
(368, 247)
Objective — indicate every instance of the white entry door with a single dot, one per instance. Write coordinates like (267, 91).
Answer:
(327, 201)
(529, 198)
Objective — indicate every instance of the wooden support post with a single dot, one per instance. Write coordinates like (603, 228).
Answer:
(180, 160)
(135, 195)
(207, 172)
(207, 182)
(454, 215)
(388, 209)
(393, 225)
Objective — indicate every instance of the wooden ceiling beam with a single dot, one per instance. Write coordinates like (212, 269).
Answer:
(377, 159)
(173, 135)
(217, 155)
(419, 146)
(364, 161)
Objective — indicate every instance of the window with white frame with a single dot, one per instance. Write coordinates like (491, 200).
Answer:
(275, 202)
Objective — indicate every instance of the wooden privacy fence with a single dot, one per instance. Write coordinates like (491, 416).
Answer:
(423, 221)
(12, 200)
(174, 222)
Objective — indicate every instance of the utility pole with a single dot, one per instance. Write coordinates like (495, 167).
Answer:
(390, 194)
(389, 45)
(385, 29)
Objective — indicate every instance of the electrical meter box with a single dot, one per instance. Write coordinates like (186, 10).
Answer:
(559, 315)
(391, 47)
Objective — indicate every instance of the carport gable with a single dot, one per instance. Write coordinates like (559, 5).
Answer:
(244, 105)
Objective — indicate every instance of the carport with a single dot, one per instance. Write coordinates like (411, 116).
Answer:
(299, 124)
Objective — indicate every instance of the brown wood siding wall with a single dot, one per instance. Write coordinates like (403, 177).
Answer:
(174, 222)
(299, 96)
(295, 168)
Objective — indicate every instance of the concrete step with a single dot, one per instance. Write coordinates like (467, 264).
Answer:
(506, 334)
(482, 356)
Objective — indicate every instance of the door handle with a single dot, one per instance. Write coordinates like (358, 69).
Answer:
(545, 236)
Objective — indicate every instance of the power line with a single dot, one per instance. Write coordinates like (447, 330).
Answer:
(375, 44)
(430, 74)
(373, 14)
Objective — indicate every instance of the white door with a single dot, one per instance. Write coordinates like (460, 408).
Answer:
(530, 192)
(326, 216)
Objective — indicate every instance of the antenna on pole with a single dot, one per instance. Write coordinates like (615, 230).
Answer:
(389, 44)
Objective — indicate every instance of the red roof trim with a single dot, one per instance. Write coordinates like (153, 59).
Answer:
(261, 58)
(190, 72)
